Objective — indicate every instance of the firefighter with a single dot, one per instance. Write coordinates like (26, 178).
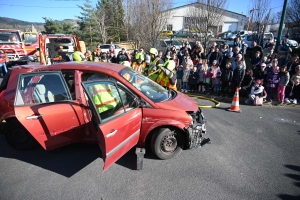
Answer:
(167, 75)
(78, 56)
(103, 97)
(139, 65)
(155, 63)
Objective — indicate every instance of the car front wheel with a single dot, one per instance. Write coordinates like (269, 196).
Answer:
(18, 137)
(166, 143)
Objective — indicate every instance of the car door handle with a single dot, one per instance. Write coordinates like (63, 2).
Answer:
(34, 117)
(111, 133)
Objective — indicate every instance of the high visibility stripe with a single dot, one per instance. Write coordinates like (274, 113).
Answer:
(106, 103)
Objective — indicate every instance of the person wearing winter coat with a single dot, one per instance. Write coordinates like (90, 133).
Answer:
(246, 83)
(179, 75)
(201, 79)
(257, 90)
(193, 78)
(272, 80)
(185, 79)
(226, 78)
(261, 73)
(238, 76)
(284, 80)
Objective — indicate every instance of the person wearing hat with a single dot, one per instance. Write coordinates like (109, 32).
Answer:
(227, 57)
(139, 65)
(123, 56)
(283, 51)
(215, 69)
(261, 73)
(97, 54)
(238, 58)
(167, 75)
(256, 95)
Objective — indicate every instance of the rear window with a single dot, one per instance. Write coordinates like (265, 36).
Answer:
(105, 46)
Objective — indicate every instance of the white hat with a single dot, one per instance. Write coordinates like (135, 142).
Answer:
(263, 64)
(239, 55)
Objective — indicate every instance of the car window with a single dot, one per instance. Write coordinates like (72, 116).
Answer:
(117, 47)
(36, 88)
(149, 88)
(69, 78)
(105, 46)
(109, 99)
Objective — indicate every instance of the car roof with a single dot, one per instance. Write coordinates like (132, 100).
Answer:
(108, 68)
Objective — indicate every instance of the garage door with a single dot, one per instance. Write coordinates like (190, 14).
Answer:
(230, 26)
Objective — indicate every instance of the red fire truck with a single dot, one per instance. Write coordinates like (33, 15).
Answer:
(11, 43)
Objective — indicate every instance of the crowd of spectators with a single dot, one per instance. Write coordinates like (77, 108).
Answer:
(222, 69)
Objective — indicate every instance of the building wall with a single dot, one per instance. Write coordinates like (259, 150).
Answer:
(177, 18)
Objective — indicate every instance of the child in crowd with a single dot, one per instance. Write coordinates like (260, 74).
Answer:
(261, 73)
(215, 69)
(295, 80)
(201, 80)
(193, 78)
(284, 80)
(256, 95)
(208, 78)
(204, 65)
(185, 79)
(226, 78)
(272, 80)
(179, 75)
(217, 84)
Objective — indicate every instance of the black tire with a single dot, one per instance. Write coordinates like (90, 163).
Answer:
(166, 144)
(18, 137)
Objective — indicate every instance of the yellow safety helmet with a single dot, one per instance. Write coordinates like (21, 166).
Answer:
(153, 51)
(171, 65)
(140, 56)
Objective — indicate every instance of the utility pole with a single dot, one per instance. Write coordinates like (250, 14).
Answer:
(281, 24)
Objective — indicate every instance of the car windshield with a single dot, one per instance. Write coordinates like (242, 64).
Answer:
(172, 42)
(9, 37)
(152, 90)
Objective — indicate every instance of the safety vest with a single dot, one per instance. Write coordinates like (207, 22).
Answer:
(164, 81)
(77, 56)
(103, 97)
(139, 68)
(152, 65)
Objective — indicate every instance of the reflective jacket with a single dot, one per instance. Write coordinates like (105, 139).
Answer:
(103, 97)
(153, 67)
(139, 68)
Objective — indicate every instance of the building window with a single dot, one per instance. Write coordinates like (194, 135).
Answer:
(169, 27)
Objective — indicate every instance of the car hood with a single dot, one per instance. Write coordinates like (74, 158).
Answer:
(180, 102)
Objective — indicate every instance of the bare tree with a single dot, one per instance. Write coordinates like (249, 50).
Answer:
(145, 20)
(99, 17)
(205, 15)
(293, 14)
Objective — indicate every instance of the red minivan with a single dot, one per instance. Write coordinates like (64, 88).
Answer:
(53, 106)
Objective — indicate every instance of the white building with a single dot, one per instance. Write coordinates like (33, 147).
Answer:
(179, 16)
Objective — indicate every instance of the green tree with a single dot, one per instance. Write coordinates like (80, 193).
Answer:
(55, 27)
(88, 25)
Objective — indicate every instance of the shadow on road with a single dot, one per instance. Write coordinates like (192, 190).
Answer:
(294, 177)
(67, 160)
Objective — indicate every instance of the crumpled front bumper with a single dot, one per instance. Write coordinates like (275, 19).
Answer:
(196, 130)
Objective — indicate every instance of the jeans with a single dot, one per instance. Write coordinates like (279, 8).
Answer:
(3, 68)
(185, 85)
(217, 89)
(270, 93)
(179, 84)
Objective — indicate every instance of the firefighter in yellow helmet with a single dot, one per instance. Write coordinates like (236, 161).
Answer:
(167, 75)
(139, 65)
(78, 56)
(155, 63)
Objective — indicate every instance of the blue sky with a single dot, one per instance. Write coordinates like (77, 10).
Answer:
(35, 10)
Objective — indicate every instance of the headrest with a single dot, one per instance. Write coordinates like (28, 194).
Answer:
(40, 89)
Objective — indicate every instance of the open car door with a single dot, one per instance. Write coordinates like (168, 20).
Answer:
(118, 118)
(44, 106)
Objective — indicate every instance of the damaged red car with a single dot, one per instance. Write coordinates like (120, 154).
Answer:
(60, 104)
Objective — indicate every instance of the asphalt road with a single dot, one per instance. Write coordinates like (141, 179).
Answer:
(253, 155)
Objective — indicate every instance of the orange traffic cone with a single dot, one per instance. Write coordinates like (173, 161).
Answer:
(235, 106)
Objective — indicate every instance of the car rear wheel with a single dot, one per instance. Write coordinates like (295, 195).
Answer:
(18, 137)
(166, 143)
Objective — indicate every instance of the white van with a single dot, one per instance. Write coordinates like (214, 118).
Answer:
(249, 38)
